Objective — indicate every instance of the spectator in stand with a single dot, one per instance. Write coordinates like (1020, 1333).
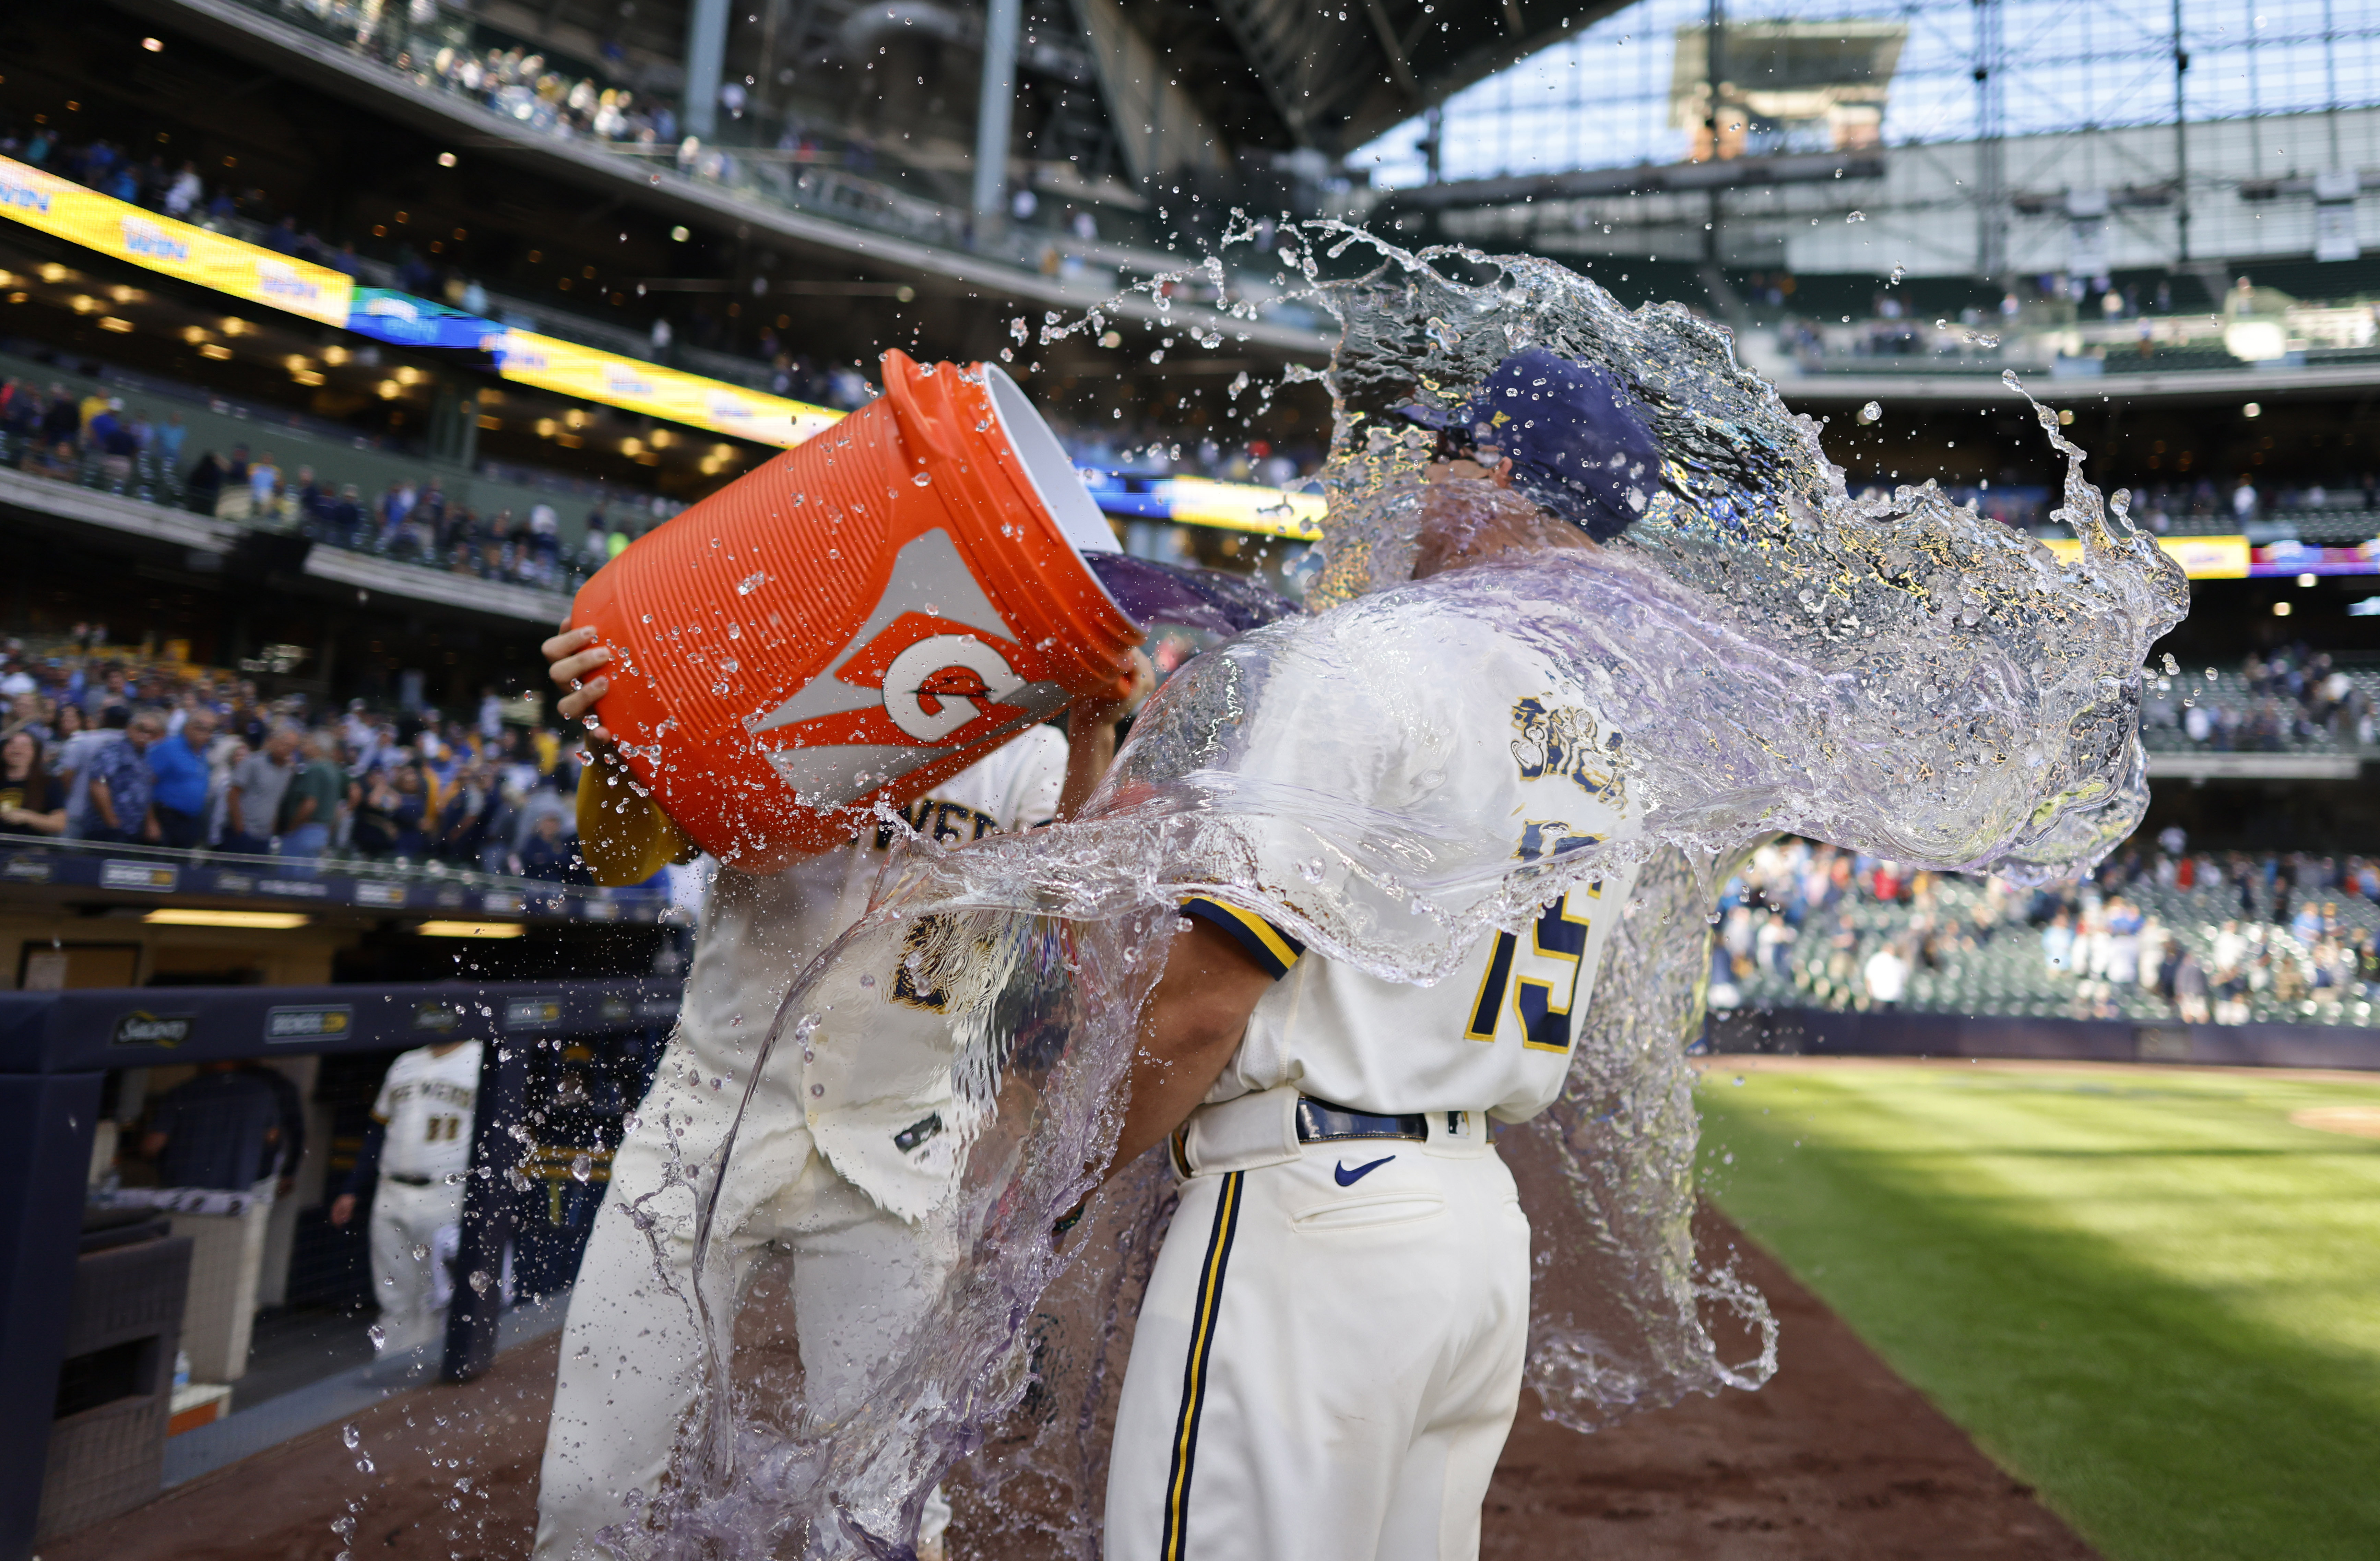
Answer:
(264, 488)
(258, 784)
(29, 801)
(462, 829)
(107, 435)
(203, 489)
(62, 422)
(76, 740)
(310, 809)
(390, 812)
(184, 194)
(1887, 975)
(546, 856)
(115, 793)
(179, 766)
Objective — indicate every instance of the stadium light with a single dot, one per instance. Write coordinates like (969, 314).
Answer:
(2281, 609)
(2251, 410)
(680, 234)
(2304, 580)
(470, 930)
(154, 45)
(446, 159)
(252, 921)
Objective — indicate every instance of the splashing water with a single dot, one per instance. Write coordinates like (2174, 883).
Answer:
(1763, 653)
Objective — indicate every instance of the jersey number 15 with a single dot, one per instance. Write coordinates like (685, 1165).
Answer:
(1542, 1006)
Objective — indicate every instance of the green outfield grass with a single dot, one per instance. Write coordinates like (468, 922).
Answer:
(2142, 1290)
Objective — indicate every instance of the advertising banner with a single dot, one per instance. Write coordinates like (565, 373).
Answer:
(408, 321)
(99, 222)
(567, 369)
(2201, 558)
(1242, 507)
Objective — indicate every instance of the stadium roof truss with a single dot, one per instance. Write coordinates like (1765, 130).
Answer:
(1293, 75)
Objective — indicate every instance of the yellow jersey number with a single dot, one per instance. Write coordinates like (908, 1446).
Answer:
(1542, 1006)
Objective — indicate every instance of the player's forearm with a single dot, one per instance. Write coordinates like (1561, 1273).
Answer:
(1195, 1021)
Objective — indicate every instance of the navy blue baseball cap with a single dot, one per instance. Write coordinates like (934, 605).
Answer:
(1577, 438)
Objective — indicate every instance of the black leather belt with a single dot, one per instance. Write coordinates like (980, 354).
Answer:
(1320, 1122)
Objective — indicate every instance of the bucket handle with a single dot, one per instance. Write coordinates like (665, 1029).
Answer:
(921, 428)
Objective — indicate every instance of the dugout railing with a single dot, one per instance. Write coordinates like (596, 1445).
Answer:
(58, 1049)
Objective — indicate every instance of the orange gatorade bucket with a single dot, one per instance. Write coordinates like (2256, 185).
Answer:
(865, 615)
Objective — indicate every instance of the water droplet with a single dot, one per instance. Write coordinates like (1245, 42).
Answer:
(1856, 216)
(2172, 667)
(868, 981)
(581, 1167)
(379, 1337)
(1311, 870)
(817, 1090)
(1898, 273)
(364, 1465)
(422, 1252)
(923, 479)
(747, 585)
(480, 1280)
(1872, 412)
(352, 1435)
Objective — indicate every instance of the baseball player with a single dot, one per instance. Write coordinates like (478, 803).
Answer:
(1328, 1356)
(866, 1260)
(420, 1143)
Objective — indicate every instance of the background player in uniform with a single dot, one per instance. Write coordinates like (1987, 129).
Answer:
(420, 1144)
(633, 1354)
(1328, 1356)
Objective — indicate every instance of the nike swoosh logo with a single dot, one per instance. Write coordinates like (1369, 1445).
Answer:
(1349, 1178)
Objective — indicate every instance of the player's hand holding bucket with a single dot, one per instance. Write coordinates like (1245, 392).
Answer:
(868, 614)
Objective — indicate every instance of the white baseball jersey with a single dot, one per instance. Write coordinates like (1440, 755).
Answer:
(757, 932)
(1521, 746)
(426, 1103)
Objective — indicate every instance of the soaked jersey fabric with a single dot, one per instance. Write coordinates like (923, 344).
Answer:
(758, 932)
(1521, 743)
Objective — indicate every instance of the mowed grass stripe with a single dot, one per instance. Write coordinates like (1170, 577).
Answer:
(2145, 1293)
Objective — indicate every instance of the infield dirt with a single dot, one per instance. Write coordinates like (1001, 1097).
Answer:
(1836, 1459)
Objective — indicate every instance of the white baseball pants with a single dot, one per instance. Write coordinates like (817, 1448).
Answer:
(1328, 1357)
(632, 1355)
(414, 1231)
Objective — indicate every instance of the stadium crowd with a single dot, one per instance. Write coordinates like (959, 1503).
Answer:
(2287, 698)
(116, 748)
(2160, 933)
(96, 441)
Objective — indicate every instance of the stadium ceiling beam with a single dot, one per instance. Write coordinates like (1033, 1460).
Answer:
(1333, 84)
(1159, 126)
(235, 27)
(1735, 173)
